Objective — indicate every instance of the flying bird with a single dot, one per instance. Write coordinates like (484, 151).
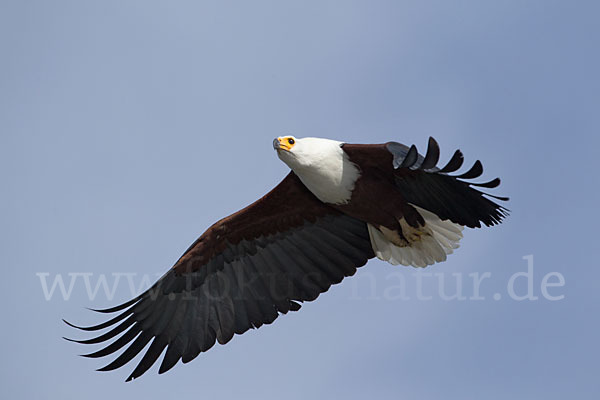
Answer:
(341, 205)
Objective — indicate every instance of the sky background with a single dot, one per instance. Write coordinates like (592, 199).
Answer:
(128, 127)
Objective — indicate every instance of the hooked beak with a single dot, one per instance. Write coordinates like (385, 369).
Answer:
(280, 144)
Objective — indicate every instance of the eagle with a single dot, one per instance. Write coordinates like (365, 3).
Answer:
(340, 205)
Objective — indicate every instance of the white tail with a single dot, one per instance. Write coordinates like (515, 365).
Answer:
(429, 245)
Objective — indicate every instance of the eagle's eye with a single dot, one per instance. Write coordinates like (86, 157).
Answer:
(291, 141)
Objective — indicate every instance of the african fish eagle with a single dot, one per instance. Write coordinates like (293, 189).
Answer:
(340, 205)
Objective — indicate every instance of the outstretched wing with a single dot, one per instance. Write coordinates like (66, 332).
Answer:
(422, 183)
(285, 248)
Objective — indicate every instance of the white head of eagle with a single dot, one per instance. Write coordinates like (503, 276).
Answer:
(321, 165)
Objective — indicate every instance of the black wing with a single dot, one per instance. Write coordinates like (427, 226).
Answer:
(244, 271)
(451, 197)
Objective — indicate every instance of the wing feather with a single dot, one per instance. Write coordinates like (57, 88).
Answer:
(245, 270)
(419, 182)
(449, 197)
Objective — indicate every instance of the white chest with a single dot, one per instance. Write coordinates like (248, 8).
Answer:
(331, 180)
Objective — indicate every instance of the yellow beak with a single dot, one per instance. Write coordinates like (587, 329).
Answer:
(281, 144)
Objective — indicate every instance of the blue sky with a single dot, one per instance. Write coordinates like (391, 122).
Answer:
(128, 127)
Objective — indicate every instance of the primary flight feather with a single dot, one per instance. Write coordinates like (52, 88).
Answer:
(341, 205)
